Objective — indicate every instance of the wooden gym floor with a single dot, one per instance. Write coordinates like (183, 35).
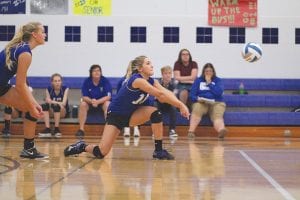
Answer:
(204, 168)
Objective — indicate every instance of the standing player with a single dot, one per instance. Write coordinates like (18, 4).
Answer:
(15, 59)
(131, 108)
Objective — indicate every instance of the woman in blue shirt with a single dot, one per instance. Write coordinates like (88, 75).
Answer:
(207, 97)
(15, 60)
(132, 107)
(96, 94)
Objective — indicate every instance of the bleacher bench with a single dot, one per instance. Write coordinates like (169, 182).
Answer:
(241, 118)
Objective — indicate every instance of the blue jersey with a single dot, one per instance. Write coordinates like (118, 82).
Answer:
(213, 91)
(121, 83)
(58, 97)
(96, 91)
(128, 99)
(5, 73)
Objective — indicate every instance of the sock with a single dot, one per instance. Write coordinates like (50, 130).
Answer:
(28, 143)
(158, 145)
(6, 124)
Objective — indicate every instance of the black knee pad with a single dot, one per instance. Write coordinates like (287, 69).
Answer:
(45, 106)
(29, 117)
(156, 117)
(55, 107)
(7, 110)
(97, 152)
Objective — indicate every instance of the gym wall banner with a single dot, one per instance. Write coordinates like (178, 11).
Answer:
(46, 7)
(12, 6)
(238, 13)
(92, 7)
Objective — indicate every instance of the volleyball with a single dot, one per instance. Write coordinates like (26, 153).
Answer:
(251, 52)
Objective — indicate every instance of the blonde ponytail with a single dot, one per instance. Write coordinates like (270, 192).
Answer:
(23, 35)
(134, 65)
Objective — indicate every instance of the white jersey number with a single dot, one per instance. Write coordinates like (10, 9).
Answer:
(141, 99)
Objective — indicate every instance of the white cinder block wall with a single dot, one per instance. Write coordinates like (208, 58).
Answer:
(73, 59)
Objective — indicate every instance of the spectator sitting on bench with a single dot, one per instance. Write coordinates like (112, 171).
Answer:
(96, 94)
(185, 72)
(207, 97)
(122, 81)
(56, 105)
(167, 82)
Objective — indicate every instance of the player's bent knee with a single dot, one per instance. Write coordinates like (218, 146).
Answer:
(45, 107)
(156, 117)
(8, 110)
(97, 152)
(55, 107)
(29, 117)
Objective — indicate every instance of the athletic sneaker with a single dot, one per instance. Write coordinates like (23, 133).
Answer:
(163, 155)
(57, 132)
(172, 133)
(46, 133)
(80, 133)
(136, 131)
(5, 133)
(32, 153)
(126, 132)
(222, 133)
(76, 148)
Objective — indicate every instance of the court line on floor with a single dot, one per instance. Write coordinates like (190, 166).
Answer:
(269, 178)
(60, 179)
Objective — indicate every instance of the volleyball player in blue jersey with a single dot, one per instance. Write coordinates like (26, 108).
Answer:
(56, 105)
(15, 59)
(130, 108)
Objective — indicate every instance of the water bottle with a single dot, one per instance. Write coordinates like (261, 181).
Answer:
(175, 91)
(241, 88)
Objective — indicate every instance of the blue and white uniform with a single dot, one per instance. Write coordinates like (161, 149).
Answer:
(213, 91)
(58, 97)
(96, 91)
(5, 73)
(128, 99)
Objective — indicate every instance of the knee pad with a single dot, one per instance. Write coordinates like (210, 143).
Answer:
(156, 117)
(55, 107)
(45, 106)
(7, 110)
(29, 117)
(97, 152)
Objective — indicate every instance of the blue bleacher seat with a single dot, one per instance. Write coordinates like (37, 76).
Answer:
(231, 118)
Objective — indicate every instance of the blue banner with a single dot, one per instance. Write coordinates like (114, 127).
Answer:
(12, 6)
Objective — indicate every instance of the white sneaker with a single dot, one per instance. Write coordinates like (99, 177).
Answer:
(136, 131)
(126, 132)
(172, 133)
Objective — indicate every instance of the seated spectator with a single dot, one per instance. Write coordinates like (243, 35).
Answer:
(122, 81)
(56, 105)
(167, 82)
(207, 97)
(9, 114)
(185, 72)
(96, 94)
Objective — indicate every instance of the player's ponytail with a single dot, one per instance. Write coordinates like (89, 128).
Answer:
(23, 35)
(135, 65)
